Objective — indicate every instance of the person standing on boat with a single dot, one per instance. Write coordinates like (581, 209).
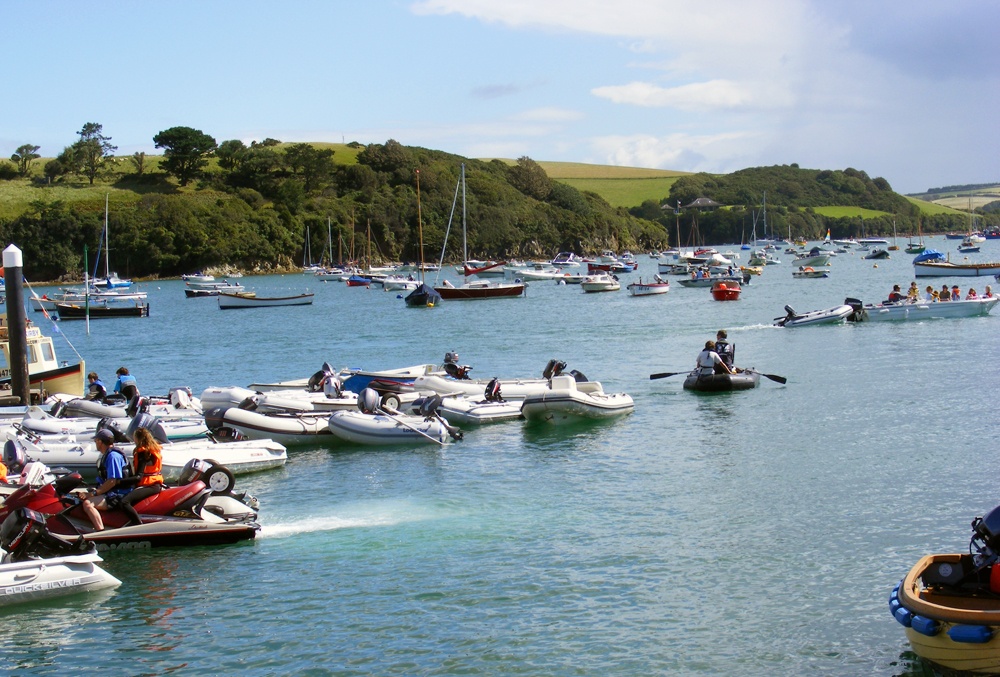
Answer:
(726, 350)
(709, 360)
(111, 471)
(126, 385)
(96, 390)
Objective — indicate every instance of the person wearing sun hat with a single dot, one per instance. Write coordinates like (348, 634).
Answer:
(112, 469)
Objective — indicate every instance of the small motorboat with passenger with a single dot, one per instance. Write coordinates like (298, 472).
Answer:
(599, 282)
(809, 271)
(568, 400)
(949, 604)
(920, 310)
(37, 565)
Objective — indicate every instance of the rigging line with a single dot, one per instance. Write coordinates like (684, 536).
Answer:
(55, 327)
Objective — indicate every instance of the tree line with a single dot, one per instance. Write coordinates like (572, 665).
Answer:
(206, 205)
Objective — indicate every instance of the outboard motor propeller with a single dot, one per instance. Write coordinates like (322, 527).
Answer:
(368, 401)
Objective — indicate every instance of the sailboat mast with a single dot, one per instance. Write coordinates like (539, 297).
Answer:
(465, 244)
(420, 230)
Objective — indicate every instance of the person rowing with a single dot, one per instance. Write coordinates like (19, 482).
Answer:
(726, 350)
(709, 361)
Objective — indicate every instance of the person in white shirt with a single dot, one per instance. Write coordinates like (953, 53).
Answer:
(708, 358)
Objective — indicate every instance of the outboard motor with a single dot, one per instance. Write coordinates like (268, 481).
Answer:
(333, 388)
(493, 391)
(368, 401)
(57, 409)
(553, 368)
(578, 376)
(791, 311)
(121, 436)
(13, 457)
(151, 423)
(452, 368)
(193, 471)
(429, 407)
(316, 381)
(25, 537)
(180, 397)
(859, 309)
(973, 573)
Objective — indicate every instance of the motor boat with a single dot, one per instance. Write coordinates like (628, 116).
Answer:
(490, 407)
(920, 310)
(514, 388)
(640, 288)
(37, 565)
(568, 400)
(82, 428)
(826, 316)
(710, 280)
(743, 380)
(177, 515)
(372, 424)
(949, 604)
(724, 290)
(877, 254)
(286, 428)
(277, 401)
(239, 456)
(600, 282)
(809, 271)
(815, 257)
(566, 260)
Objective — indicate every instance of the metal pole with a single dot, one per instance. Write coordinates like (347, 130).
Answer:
(17, 324)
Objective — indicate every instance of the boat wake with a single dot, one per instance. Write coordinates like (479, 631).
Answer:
(352, 517)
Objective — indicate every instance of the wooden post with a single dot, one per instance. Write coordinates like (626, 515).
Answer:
(16, 324)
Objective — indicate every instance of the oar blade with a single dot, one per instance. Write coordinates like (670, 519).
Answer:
(666, 374)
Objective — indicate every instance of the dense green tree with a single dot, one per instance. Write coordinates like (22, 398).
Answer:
(93, 152)
(185, 151)
(529, 178)
(314, 165)
(138, 161)
(23, 157)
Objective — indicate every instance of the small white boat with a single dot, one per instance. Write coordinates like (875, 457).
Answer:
(922, 310)
(567, 400)
(809, 271)
(28, 572)
(385, 429)
(600, 282)
(640, 288)
(227, 301)
(400, 283)
(512, 388)
(566, 260)
(276, 401)
(285, 428)
(815, 257)
(710, 280)
(463, 410)
(827, 316)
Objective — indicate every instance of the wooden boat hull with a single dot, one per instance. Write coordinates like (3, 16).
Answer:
(484, 291)
(68, 311)
(956, 632)
(716, 383)
(946, 269)
(230, 301)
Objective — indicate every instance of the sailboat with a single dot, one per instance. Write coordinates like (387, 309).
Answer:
(918, 246)
(476, 289)
(423, 296)
(110, 279)
(894, 247)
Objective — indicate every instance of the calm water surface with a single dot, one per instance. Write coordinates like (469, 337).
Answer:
(753, 533)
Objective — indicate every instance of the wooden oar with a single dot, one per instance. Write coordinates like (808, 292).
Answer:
(773, 377)
(653, 377)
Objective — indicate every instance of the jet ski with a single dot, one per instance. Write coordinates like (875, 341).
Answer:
(37, 565)
(177, 516)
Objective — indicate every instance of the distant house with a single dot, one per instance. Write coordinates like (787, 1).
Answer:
(702, 203)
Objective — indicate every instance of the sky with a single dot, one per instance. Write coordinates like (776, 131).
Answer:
(904, 90)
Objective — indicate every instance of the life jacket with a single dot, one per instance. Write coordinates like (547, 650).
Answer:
(102, 471)
(3, 472)
(148, 466)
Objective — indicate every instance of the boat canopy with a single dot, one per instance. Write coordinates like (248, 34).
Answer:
(928, 255)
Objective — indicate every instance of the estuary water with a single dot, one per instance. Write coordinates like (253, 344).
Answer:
(750, 533)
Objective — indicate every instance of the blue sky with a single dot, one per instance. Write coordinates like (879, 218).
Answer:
(904, 90)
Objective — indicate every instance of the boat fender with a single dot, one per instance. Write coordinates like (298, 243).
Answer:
(368, 401)
(970, 634)
(904, 616)
(925, 626)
